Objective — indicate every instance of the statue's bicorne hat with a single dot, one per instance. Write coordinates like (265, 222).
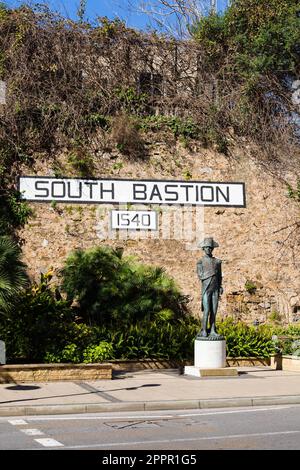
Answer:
(209, 241)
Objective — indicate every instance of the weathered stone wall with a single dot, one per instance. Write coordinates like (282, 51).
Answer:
(53, 372)
(257, 243)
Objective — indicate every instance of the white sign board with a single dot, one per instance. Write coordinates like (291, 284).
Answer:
(116, 191)
(133, 220)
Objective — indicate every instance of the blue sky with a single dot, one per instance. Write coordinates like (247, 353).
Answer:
(109, 8)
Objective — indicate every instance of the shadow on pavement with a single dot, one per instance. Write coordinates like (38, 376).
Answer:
(22, 387)
(96, 391)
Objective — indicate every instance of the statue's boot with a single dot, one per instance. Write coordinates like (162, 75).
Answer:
(202, 334)
(213, 331)
(214, 334)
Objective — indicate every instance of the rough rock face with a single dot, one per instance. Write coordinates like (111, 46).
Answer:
(259, 244)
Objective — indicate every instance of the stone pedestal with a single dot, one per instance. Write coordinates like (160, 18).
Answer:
(209, 359)
(2, 353)
(210, 354)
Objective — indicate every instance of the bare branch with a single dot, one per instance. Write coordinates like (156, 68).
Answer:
(173, 17)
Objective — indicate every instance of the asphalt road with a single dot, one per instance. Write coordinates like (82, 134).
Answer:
(276, 427)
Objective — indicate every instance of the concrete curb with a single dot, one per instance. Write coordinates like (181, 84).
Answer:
(148, 406)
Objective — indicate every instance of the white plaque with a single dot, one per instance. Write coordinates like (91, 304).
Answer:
(133, 220)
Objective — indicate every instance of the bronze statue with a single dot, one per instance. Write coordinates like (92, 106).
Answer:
(210, 273)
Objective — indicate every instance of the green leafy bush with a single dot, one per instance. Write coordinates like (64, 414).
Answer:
(294, 193)
(260, 38)
(39, 323)
(14, 213)
(132, 102)
(81, 162)
(292, 330)
(98, 353)
(98, 120)
(112, 290)
(70, 353)
(160, 339)
(246, 341)
(180, 127)
(250, 287)
(166, 339)
(286, 339)
(13, 277)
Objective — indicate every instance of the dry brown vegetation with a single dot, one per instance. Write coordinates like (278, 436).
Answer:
(66, 81)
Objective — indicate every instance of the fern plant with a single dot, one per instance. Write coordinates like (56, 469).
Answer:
(114, 290)
(13, 277)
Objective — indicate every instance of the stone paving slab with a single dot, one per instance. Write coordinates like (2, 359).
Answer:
(163, 386)
(46, 393)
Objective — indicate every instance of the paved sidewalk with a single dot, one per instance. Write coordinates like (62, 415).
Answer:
(152, 390)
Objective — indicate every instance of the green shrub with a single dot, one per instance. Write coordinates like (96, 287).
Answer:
(287, 345)
(98, 120)
(292, 331)
(160, 339)
(294, 193)
(250, 287)
(275, 317)
(185, 128)
(113, 290)
(70, 353)
(286, 339)
(295, 348)
(39, 323)
(13, 277)
(131, 101)
(246, 341)
(14, 212)
(81, 162)
(261, 39)
(98, 353)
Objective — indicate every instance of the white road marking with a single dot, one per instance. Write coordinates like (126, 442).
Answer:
(46, 442)
(232, 411)
(32, 432)
(84, 417)
(17, 422)
(168, 441)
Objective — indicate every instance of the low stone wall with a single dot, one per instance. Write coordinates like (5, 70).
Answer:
(248, 361)
(135, 365)
(144, 364)
(54, 372)
(291, 363)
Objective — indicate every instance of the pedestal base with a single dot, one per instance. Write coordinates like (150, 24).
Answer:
(210, 354)
(210, 359)
(221, 372)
